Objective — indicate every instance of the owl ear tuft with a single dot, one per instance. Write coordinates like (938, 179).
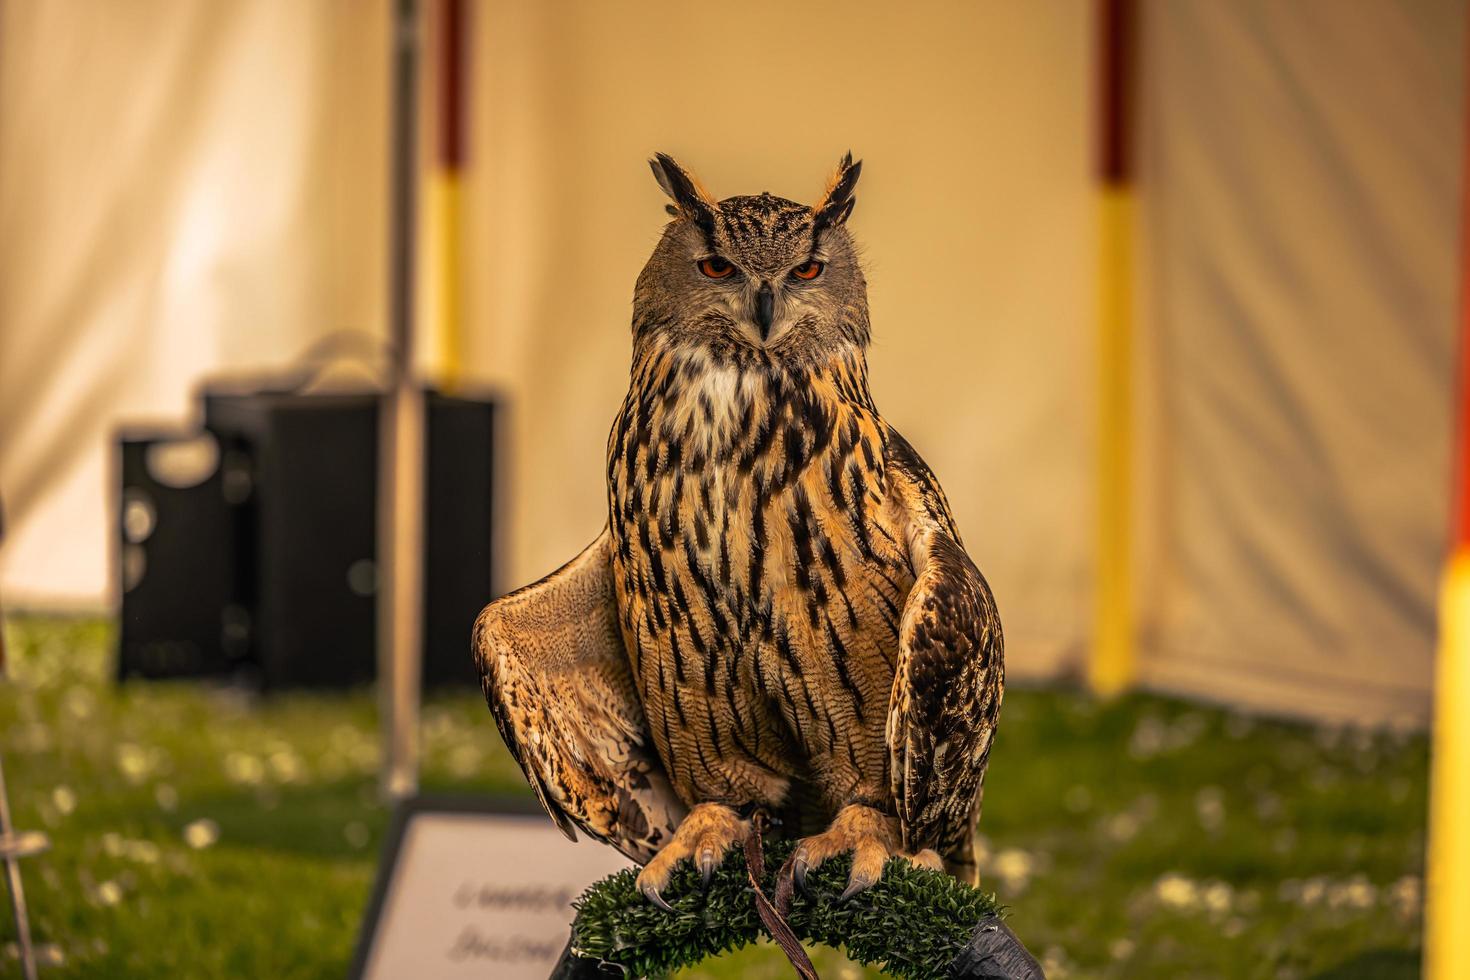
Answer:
(690, 199)
(835, 206)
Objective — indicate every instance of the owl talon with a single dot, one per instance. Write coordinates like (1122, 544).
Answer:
(651, 893)
(855, 884)
(868, 834)
(702, 838)
(706, 869)
(798, 875)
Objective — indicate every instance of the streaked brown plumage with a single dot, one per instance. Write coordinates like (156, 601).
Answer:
(780, 613)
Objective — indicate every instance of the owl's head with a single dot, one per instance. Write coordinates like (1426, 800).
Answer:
(751, 275)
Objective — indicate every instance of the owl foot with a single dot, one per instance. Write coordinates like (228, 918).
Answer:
(705, 835)
(872, 836)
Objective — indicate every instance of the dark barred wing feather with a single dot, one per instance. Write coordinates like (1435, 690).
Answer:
(949, 677)
(557, 679)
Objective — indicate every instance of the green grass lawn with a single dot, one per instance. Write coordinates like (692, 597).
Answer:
(199, 832)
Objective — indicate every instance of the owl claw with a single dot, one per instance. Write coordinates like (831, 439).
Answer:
(702, 838)
(798, 875)
(855, 884)
(651, 893)
(706, 869)
(869, 835)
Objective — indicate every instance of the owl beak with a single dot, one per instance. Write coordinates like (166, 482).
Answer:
(765, 309)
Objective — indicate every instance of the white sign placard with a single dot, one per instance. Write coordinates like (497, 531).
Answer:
(476, 893)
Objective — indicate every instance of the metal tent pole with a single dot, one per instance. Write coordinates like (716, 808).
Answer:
(12, 849)
(401, 445)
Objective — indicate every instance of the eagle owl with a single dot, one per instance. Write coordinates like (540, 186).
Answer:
(779, 616)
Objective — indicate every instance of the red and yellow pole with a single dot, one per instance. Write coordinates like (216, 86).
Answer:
(1447, 911)
(444, 234)
(1111, 666)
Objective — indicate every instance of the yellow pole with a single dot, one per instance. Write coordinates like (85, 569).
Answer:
(1111, 668)
(446, 285)
(1447, 913)
(444, 278)
(1447, 864)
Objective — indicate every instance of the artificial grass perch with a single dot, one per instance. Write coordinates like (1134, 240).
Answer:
(914, 923)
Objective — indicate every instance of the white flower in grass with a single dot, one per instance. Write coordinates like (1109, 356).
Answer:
(166, 797)
(1356, 893)
(1014, 867)
(201, 834)
(79, 703)
(131, 849)
(47, 954)
(1054, 963)
(1312, 892)
(1121, 949)
(1148, 738)
(1209, 807)
(245, 769)
(64, 799)
(1122, 827)
(132, 762)
(1217, 897)
(287, 766)
(108, 893)
(1176, 891)
(1406, 896)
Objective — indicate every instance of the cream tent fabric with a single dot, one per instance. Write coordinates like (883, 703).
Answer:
(186, 187)
(1301, 188)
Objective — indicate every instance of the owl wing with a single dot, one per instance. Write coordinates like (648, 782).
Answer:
(949, 676)
(557, 679)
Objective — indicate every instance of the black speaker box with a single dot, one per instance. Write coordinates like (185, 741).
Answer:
(293, 539)
(178, 581)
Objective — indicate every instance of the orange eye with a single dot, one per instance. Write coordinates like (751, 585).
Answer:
(716, 267)
(809, 271)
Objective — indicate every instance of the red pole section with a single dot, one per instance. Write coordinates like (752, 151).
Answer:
(450, 145)
(1116, 20)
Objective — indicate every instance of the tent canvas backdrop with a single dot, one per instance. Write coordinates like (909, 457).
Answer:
(190, 188)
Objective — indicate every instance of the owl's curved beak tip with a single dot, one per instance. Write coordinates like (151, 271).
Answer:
(765, 309)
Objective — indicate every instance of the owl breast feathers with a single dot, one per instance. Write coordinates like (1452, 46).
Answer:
(780, 614)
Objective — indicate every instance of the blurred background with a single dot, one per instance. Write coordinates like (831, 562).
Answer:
(1166, 293)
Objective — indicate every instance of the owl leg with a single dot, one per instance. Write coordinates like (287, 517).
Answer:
(704, 836)
(871, 835)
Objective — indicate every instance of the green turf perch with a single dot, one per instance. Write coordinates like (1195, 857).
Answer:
(915, 923)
